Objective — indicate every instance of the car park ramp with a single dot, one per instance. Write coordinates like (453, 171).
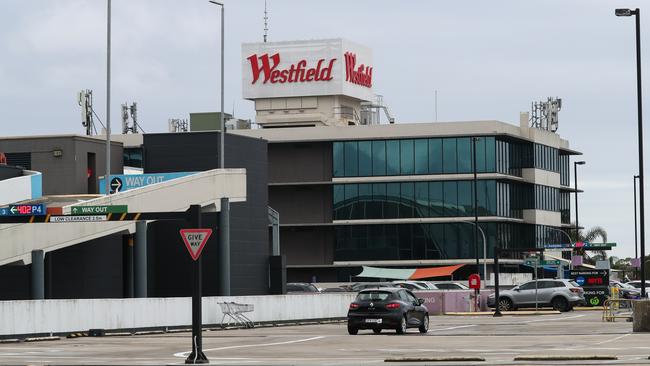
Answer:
(176, 195)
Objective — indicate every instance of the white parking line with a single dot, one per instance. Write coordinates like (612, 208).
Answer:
(613, 339)
(456, 327)
(185, 354)
(553, 319)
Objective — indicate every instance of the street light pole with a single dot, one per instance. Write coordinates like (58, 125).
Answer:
(575, 183)
(636, 244)
(637, 13)
(224, 215)
(484, 247)
(476, 207)
(107, 179)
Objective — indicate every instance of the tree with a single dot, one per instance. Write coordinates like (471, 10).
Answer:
(590, 236)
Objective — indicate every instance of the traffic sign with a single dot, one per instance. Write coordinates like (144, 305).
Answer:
(530, 263)
(195, 240)
(24, 210)
(551, 263)
(116, 185)
(97, 210)
(82, 218)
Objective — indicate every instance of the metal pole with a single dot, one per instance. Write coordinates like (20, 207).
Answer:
(475, 207)
(107, 179)
(640, 123)
(636, 242)
(575, 184)
(196, 356)
(497, 311)
(222, 164)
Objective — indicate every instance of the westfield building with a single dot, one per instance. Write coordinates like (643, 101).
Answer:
(352, 191)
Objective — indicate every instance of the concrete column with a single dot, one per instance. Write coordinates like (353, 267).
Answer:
(38, 275)
(49, 294)
(224, 248)
(127, 265)
(140, 259)
(641, 316)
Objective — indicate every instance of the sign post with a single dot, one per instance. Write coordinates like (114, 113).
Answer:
(195, 240)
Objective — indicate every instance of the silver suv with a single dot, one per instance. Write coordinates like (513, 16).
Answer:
(561, 294)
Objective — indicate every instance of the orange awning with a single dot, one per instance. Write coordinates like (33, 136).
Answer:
(421, 273)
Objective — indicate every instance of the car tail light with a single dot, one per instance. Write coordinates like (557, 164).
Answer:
(392, 306)
(576, 290)
(354, 306)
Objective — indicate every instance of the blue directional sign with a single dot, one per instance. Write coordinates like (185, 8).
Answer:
(24, 210)
(125, 182)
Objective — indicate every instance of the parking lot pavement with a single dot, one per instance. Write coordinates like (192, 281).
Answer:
(498, 340)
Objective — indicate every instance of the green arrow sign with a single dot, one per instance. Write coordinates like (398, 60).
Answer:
(98, 210)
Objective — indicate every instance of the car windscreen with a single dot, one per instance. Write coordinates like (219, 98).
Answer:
(574, 283)
(373, 296)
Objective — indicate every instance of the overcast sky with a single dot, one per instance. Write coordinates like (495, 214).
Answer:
(487, 59)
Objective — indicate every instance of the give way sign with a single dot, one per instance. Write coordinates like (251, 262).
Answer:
(195, 240)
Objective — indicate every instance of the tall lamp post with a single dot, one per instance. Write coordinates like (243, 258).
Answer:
(636, 243)
(478, 269)
(107, 179)
(224, 215)
(575, 183)
(637, 14)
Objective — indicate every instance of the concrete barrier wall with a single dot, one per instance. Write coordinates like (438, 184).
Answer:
(28, 186)
(59, 316)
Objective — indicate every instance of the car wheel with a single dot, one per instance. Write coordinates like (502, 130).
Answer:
(352, 330)
(401, 328)
(376, 330)
(505, 304)
(425, 324)
(560, 304)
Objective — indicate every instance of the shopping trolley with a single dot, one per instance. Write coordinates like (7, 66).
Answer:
(236, 311)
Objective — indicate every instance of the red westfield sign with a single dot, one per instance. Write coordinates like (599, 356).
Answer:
(298, 72)
(361, 76)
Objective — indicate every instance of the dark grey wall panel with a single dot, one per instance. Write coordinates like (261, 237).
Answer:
(307, 244)
(304, 204)
(300, 162)
(249, 223)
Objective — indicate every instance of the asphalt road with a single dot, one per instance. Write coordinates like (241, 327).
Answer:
(498, 340)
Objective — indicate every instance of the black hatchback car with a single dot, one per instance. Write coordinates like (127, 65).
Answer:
(387, 308)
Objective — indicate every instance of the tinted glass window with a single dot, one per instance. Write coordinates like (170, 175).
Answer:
(435, 156)
(464, 154)
(451, 198)
(558, 284)
(448, 286)
(406, 157)
(392, 157)
(402, 296)
(379, 158)
(449, 156)
(421, 156)
(365, 158)
(411, 297)
(436, 199)
(528, 286)
(351, 159)
(373, 296)
(338, 157)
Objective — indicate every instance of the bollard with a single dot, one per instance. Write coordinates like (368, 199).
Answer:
(641, 316)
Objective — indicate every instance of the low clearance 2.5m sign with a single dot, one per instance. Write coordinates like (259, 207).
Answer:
(307, 68)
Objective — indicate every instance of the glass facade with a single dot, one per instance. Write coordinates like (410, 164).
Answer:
(565, 172)
(413, 199)
(412, 156)
(442, 198)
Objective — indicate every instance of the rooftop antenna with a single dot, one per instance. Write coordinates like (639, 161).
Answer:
(266, 22)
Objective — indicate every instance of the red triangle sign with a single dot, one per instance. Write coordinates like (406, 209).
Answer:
(195, 240)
